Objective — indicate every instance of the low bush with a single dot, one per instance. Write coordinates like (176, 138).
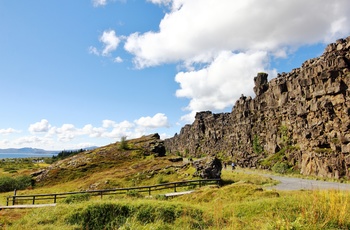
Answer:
(280, 167)
(9, 184)
(76, 198)
(115, 215)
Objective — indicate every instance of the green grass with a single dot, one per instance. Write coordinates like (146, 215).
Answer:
(243, 202)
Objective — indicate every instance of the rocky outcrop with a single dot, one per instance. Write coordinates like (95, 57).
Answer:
(150, 144)
(208, 168)
(305, 111)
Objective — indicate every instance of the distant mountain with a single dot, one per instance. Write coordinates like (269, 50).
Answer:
(43, 151)
(26, 150)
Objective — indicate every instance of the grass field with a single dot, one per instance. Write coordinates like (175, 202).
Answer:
(244, 201)
(244, 204)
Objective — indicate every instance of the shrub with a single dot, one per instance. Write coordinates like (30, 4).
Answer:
(257, 147)
(9, 184)
(133, 193)
(280, 167)
(101, 216)
(76, 198)
(23, 182)
(115, 215)
(123, 145)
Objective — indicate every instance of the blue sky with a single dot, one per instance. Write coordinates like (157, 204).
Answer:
(83, 73)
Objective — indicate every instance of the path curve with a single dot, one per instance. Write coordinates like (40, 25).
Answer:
(292, 183)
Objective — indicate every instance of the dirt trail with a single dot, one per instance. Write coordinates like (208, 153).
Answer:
(291, 183)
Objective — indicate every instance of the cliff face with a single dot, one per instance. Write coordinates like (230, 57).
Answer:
(302, 115)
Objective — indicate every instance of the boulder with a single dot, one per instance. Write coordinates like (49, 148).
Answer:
(208, 168)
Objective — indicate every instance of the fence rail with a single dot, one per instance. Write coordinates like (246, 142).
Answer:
(20, 199)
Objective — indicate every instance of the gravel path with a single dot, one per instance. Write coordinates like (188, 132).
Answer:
(291, 183)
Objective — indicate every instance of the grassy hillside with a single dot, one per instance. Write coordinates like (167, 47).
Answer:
(242, 203)
(245, 204)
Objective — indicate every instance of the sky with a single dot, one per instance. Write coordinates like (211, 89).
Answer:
(75, 74)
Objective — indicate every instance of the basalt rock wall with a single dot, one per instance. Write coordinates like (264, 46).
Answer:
(305, 112)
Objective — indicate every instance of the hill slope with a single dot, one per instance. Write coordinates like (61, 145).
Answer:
(132, 163)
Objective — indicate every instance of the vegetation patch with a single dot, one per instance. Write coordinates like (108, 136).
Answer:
(115, 215)
(278, 162)
(65, 154)
(8, 184)
(77, 198)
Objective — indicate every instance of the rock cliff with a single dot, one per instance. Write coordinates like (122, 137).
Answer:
(300, 118)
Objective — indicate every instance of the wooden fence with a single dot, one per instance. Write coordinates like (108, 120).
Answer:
(21, 199)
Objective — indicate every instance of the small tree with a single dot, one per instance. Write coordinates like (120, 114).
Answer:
(123, 145)
(257, 148)
(285, 137)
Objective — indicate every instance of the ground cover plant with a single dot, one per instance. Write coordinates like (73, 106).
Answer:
(244, 201)
(11, 166)
(245, 204)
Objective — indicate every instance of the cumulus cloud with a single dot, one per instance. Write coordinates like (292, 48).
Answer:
(222, 82)
(110, 41)
(109, 129)
(93, 131)
(124, 128)
(44, 135)
(94, 50)
(158, 120)
(9, 131)
(161, 2)
(97, 3)
(31, 140)
(223, 44)
(41, 126)
(118, 60)
(198, 30)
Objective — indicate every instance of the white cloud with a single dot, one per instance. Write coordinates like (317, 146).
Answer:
(110, 41)
(223, 44)
(222, 82)
(31, 141)
(68, 136)
(161, 2)
(93, 131)
(118, 60)
(94, 50)
(38, 127)
(198, 30)
(157, 121)
(66, 132)
(124, 128)
(8, 131)
(97, 3)
(108, 123)
(84, 145)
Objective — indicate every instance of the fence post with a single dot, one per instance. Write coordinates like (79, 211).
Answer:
(101, 194)
(33, 199)
(174, 187)
(149, 191)
(14, 197)
(7, 201)
(54, 199)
